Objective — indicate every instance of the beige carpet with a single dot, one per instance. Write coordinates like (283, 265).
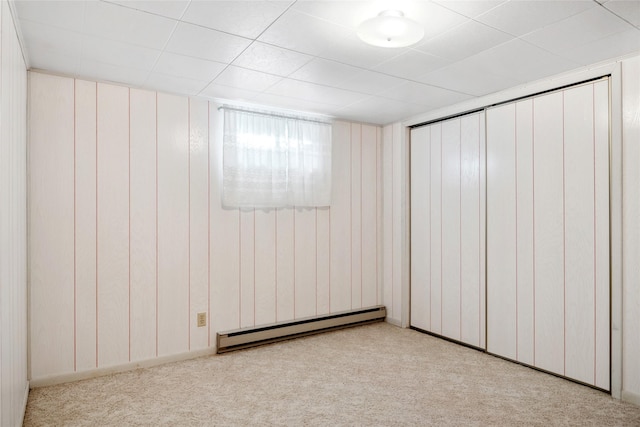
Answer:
(374, 375)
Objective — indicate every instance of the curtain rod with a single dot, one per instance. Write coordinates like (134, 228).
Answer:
(268, 114)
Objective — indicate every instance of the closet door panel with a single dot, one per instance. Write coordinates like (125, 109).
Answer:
(601, 219)
(470, 231)
(447, 229)
(579, 233)
(501, 232)
(549, 232)
(524, 231)
(436, 229)
(451, 229)
(420, 210)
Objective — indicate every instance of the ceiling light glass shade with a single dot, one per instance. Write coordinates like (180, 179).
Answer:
(390, 29)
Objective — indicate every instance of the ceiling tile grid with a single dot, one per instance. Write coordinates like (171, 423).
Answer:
(305, 55)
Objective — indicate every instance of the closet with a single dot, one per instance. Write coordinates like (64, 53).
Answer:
(545, 193)
(448, 229)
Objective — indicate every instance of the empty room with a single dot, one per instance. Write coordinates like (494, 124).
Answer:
(309, 212)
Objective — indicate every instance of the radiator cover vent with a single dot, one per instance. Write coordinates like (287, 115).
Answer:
(250, 337)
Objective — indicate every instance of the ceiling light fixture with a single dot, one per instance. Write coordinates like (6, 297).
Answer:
(390, 29)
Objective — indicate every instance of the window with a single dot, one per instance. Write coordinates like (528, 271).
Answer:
(274, 161)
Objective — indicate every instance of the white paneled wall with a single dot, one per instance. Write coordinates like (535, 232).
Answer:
(447, 229)
(393, 212)
(548, 232)
(631, 229)
(129, 240)
(14, 387)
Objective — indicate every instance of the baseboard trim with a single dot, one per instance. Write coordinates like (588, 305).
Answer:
(25, 399)
(101, 372)
(631, 397)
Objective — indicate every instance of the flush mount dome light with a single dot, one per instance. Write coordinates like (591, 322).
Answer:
(390, 29)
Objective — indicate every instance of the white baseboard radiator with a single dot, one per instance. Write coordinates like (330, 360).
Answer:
(250, 337)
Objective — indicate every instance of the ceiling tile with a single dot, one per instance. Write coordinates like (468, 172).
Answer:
(464, 40)
(353, 51)
(246, 79)
(585, 27)
(295, 104)
(303, 33)
(46, 37)
(629, 10)
(168, 8)
(127, 25)
(188, 67)
(519, 60)
(50, 59)
(112, 73)
(315, 93)
(118, 53)
(322, 71)
(68, 15)
(378, 110)
(191, 40)
(470, 8)
(271, 59)
(422, 94)
(244, 18)
(412, 64)
(610, 47)
(369, 82)
(461, 77)
(174, 84)
(230, 93)
(524, 16)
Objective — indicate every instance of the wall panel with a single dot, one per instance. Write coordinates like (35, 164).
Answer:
(85, 223)
(247, 268)
(14, 385)
(305, 266)
(112, 179)
(173, 224)
(51, 225)
(265, 259)
(198, 221)
(369, 216)
(143, 224)
(150, 227)
(341, 238)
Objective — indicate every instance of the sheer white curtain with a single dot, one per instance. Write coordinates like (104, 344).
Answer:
(273, 161)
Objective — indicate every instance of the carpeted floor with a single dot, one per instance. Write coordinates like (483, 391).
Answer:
(374, 375)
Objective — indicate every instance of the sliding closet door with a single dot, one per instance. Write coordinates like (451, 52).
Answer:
(548, 232)
(447, 229)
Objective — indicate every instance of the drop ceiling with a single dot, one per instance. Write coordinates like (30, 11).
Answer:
(304, 55)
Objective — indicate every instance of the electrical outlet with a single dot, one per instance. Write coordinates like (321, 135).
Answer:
(202, 319)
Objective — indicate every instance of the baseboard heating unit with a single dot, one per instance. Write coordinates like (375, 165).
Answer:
(250, 337)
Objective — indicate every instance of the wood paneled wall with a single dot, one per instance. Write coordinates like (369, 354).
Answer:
(393, 213)
(129, 240)
(14, 386)
(631, 229)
